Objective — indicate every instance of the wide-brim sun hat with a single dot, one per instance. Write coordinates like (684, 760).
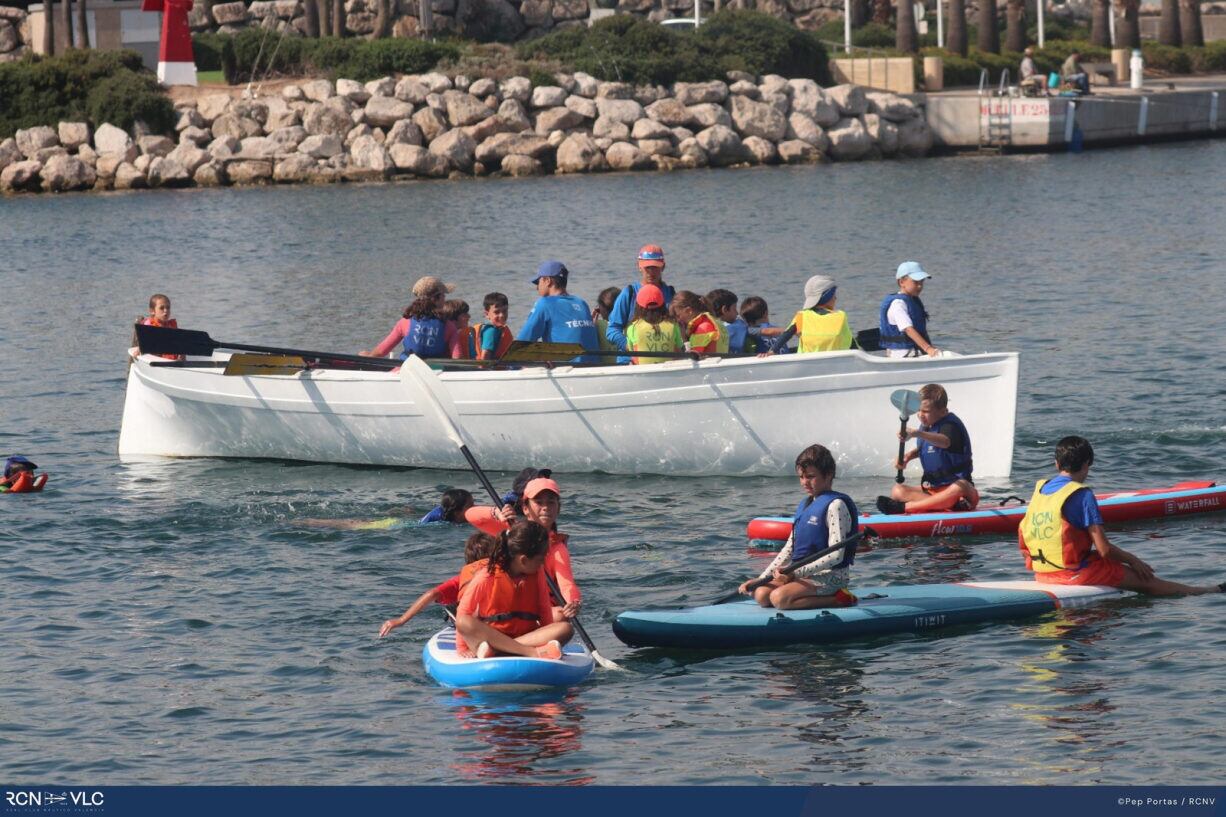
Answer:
(428, 284)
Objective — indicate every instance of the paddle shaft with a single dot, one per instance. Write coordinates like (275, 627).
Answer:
(902, 448)
(799, 563)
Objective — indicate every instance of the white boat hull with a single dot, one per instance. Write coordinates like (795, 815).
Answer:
(712, 417)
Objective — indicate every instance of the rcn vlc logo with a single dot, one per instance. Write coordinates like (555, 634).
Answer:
(20, 799)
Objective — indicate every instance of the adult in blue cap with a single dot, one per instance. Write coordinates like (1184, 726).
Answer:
(903, 321)
(557, 316)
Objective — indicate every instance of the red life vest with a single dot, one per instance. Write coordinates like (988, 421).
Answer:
(509, 605)
(25, 482)
(504, 339)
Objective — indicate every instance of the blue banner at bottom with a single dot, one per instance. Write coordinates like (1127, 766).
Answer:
(592, 801)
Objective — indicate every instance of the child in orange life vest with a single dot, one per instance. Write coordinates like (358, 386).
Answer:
(478, 547)
(821, 327)
(493, 336)
(651, 330)
(505, 607)
(456, 311)
(704, 332)
(159, 315)
(19, 477)
(944, 449)
(1063, 540)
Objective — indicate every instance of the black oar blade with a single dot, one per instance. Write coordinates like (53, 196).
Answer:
(161, 340)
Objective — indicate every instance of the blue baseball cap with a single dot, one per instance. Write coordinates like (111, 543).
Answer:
(551, 269)
(10, 465)
(912, 270)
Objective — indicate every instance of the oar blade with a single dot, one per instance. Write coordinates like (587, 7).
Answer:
(243, 365)
(162, 340)
(906, 401)
(432, 397)
(523, 350)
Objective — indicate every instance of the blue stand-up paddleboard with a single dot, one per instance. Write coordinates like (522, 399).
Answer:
(503, 672)
(881, 611)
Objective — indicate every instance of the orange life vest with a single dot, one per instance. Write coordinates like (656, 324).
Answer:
(468, 343)
(25, 482)
(504, 340)
(509, 605)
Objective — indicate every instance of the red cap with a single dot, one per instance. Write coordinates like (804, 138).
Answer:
(650, 255)
(536, 486)
(650, 296)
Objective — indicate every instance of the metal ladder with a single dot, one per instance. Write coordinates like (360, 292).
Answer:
(996, 129)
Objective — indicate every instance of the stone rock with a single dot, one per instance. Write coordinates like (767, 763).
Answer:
(296, 168)
(109, 139)
(849, 99)
(681, 134)
(318, 90)
(431, 122)
(73, 135)
(722, 145)
(464, 108)
(849, 140)
(31, 140)
(647, 94)
(603, 143)
(517, 88)
(259, 147)
(757, 119)
(360, 23)
(404, 132)
(107, 165)
(358, 131)
(9, 152)
(611, 129)
(483, 87)
(625, 156)
(517, 165)
(189, 157)
(224, 147)
(697, 93)
(486, 128)
(890, 107)
(806, 130)
(651, 129)
(583, 106)
(46, 153)
(743, 88)
(368, 153)
(189, 118)
(155, 145)
(883, 133)
(669, 112)
(240, 127)
(321, 146)
(286, 9)
(586, 85)
(457, 147)
(419, 161)
(436, 82)
(552, 119)
(8, 37)
(740, 76)
(249, 171)
(914, 137)
(354, 91)
(537, 13)
(761, 151)
(65, 172)
(798, 151)
(127, 177)
(570, 9)
(499, 146)
(292, 93)
(282, 118)
(410, 90)
(230, 13)
(578, 154)
(326, 117)
(775, 84)
(656, 147)
(384, 86)
(691, 153)
(512, 112)
(780, 102)
(556, 138)
(614, 90)
(212, 106)
(166, 172)
(262, 8)
(196, 136)
(141, 163)
(385, 111)
(808, 98)
(548, 96)
(626, 111)
(212, 174)
(708, 114)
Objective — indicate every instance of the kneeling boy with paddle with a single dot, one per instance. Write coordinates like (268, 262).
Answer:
(1063, 540)
(823, 518)
(944, 449)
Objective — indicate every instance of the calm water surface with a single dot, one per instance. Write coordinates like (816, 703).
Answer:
(172, 622)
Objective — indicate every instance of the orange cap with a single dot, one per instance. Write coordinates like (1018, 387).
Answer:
(536, 486)
(650, 296)
(651, 255)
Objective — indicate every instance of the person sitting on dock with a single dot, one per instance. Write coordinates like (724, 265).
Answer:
(478, 547)
(493, 336)
(557, 316)
(903, 321)
(1073, 74)
(651, 271)
(820, 326)
(1063, 540)
(823, 518)
(422, 331)
(652, 330)
(944, 449)
(1033, 82)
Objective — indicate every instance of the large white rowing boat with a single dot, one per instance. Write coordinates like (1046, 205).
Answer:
(710, 417)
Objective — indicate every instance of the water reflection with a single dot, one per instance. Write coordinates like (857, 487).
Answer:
(825, 693)
(519, 735)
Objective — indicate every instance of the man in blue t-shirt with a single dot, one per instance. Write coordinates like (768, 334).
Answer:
(651, 271)
(558, 317)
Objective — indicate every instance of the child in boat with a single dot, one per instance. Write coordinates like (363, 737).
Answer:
(704, 333)
(760, 332)
(422, 330)
(456, 311)
(823, 518)
(652, 330)
(944, 449)
(902, 319)
(604, 306)
(820, 327)
(159, 315)
(505, 607)
(478, 547)
(493, 334)
(723, 306)
(19, 477)
(1063, 540)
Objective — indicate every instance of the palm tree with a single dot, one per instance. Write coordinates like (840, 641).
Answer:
(383, 20)
(1168, 24)
(989, 36)
(1100, 23)
(1189, 23)
(338, 18)
(905, 37)
(82, 25)
(955, 40)
(66, 22)
(881, 11)
(48, 29)
(1128, 32)
(311, 12)
(324, 12)
(859, 13)
(1015, 25)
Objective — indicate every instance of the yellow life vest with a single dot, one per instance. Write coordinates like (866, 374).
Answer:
(1046, 538)
(602, 330)
(826, 331)
(699, 340)
(641, 336)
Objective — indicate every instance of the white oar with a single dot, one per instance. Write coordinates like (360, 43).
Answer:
(907, 402)
(430, 394)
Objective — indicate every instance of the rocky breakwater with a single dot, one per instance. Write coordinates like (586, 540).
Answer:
(435, 126)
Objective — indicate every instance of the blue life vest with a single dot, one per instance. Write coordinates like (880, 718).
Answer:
(427, 337)
(810, 533)
(943, 466)
(435, 515)
(738, 331)
(891, 336)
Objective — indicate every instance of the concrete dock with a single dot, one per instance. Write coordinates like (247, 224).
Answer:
(1180, 108)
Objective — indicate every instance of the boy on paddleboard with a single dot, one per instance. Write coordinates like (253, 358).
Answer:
(823, 518)
(1063, 540)
(944, 449)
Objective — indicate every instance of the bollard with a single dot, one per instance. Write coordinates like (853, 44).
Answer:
(1136, 69)
(934, 73)
(1143, 116)
(1213, 110)
(1119, 58)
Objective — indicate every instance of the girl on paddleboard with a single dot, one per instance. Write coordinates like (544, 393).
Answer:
(478, 547)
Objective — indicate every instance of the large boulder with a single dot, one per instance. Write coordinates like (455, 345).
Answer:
(721, 144)
(586, 85)
(651, 129)
(483, 87)
(774, 84)
(548, 96)
(154, 145)
(849, 140)
(73, 134)
(321, 146)
(211, 174)
(517, 88)
(883, 133)
(614, 90)
(431, 122)
(196, 136)
(296, 168)
(512, 112)
(437, 82)
(464, 108)
(798, 151)
(410, 90)
(708, 114)
(518, 165)
(604, 127)
(31, 140)
(288, 138)
(419, 161)
(318, 90)
(249, 171)
(914, 137)
(189, 157)
(127, 177)
(385, 111)
(583, 106)
(760, 151)
(757, 119)
(230, 13)
(240, 127)
(891, 107)
(625, 156)
(501, 145)
(849, 99)
(656, 147)
(404, 132)
(259, 147)
(186, 118)
(696, 93)
(805, 129)
(808, 98)
(691, 154)
(578, 153)
(487, 127)
(552, 119)
(167, 172)
(64, 172)
(20, 176)
(457, 147)
(9, 152)
(669, 112)
(223, 147)
(109, 139)
(212, 106)
(744, 88)
(367, 152)
(626, 111)
(353, 90)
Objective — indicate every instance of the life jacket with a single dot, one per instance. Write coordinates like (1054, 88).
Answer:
(504, 339)
(25, 482)
(891, 336)
(943, 466)
(511, 606)
(810, 532)
(427, 337)
(1046, 538)
(642, 336)
(717, 334)
(602, 330)
(822, 330)
(468, 342)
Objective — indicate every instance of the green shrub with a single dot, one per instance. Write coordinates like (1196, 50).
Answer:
(126, 97)
(207, 48)
(1167, 58)
(1211, 58)
(255, 53)
(761, 44)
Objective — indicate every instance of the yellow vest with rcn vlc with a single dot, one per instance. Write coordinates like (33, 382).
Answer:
(641, 336)
(822, 331)
(1047, 538)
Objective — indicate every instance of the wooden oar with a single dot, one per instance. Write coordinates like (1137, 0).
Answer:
(907, 402)
(429, 392)
(160, 340)
(799, 563)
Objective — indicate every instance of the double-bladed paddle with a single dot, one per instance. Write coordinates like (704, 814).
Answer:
(799, 563)
(907, 402)
(429, 393)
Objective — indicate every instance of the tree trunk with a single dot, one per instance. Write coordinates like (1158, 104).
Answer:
(82, 25)
(383, 20)
(1128, 28)
(338, 18)
(989, 36)
(1189, 23)
(311, 12)
(48, 29)
(324, 12)
(881, 11)
(1168, 24)
(859, 12)
(1100, 23)
(1015, 25)
(905, 37)
(66, 22)
(955, 38)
